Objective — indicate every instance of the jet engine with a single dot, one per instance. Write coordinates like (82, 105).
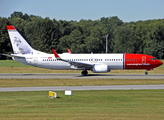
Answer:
(100, 69)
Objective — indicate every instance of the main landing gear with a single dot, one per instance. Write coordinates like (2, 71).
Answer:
(84, 72)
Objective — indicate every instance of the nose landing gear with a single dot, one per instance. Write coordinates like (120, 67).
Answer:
(84, 72)
(146, 73)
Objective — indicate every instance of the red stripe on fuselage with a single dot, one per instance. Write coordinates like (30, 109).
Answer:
(140, 61)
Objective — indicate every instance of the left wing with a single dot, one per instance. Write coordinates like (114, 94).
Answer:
(74, 64)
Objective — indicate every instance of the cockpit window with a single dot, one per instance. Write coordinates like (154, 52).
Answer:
(152, 58)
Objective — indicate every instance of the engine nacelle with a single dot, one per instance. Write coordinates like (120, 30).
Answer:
(100, 69)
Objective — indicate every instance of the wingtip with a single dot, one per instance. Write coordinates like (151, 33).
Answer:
(55, 53)
(69, 51)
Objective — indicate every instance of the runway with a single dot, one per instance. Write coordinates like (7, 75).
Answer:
(78, 76)
(76, 88)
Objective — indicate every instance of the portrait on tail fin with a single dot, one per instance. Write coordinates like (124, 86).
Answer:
(20, 48)
(19, 44)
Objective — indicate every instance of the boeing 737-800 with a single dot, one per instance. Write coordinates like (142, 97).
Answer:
(97, 63)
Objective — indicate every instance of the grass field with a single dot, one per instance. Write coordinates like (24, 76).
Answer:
(75, 82)
(84, 105)
(11, 66)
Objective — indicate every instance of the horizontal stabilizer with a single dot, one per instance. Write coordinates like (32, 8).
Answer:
(13, 55)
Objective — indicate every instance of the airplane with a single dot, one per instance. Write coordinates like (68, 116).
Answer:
(97, 63)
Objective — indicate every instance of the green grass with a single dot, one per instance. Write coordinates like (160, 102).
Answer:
(75, 82)
(88, 105)
(10, 63)
(162, 66)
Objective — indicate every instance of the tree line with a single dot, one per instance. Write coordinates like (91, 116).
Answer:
(85, 36)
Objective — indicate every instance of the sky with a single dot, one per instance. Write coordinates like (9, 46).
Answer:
(126, 10)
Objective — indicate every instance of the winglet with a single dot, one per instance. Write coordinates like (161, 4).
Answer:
(56, 55)
(69, 51)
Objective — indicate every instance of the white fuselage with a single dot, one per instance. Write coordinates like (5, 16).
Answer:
(113, 61)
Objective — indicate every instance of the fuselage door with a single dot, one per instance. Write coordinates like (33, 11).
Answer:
(35, 61)
(143, 60)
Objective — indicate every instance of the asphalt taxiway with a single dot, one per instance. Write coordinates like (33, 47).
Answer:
(78, 76)
(76, 88)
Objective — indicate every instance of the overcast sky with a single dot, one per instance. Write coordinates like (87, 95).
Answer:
(126, 10)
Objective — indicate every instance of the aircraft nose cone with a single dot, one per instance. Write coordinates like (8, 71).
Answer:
(159, 62)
